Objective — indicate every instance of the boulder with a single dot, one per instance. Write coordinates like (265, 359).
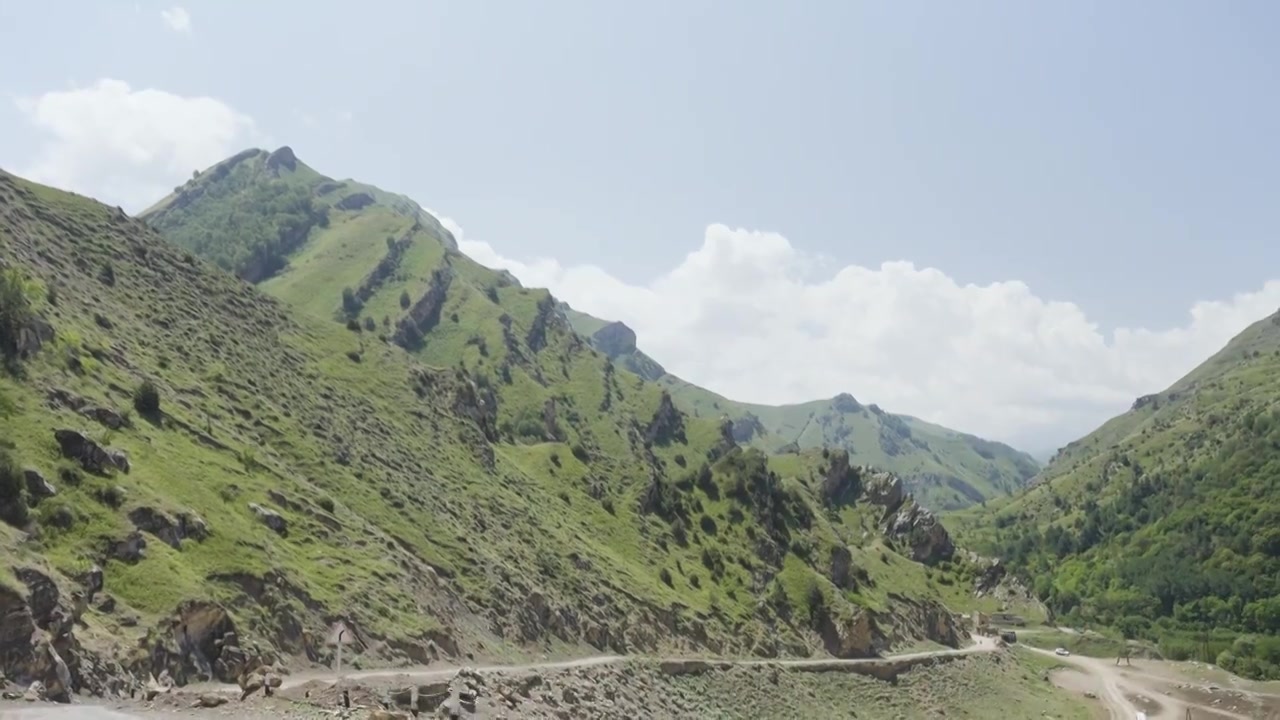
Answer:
(271, 519)
(130, 550)
(105, 416)
(94, 458)
(37, 486)
(171, 531)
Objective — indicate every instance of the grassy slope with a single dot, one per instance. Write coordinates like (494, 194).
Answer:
(432, 526)
(944, 468)
(1168, 511)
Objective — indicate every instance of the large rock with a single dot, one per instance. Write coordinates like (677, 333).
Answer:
(91, 456)
(171, 531)
(37, 486)
(42, 594)
(851, 637)
(270, 518)
(884, 489)
(130, 550)
(105, 416)
(842, 567)
(17, 626)
(921, 532)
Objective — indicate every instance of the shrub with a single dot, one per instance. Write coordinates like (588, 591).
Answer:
(146, 398)
(13, 504)
(326, 504)
(405, 300)
(370, 324)
(107, 274)
(665, 576)
(350, 303)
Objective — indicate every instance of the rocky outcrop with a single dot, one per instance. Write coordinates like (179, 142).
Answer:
(548, 319)
(94, 458)
(282, 159)
(667, 425)
(32, 336)
(171, 531)
(921, 532)
(355, 201)
(385, 268)
(747, 427)
(424, 315)
(845, 403)
(37, 486)
(130, 549)
(105, 416)
(841, 482)
(850, 637)
(272, 519)
(614, 339)
(884, 489)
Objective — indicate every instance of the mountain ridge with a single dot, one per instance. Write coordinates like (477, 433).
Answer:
(961, 470)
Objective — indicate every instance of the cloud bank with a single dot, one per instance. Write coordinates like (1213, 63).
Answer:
(129, 147)
(754, 318)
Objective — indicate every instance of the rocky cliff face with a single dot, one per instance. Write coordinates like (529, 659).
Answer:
(907, 523)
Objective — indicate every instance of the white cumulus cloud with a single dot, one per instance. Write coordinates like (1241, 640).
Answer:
(129, 147)
(177, 18)
(752, 317)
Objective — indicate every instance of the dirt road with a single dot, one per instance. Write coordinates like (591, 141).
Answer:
(981, 644)
(1127, 691)
(426, 674)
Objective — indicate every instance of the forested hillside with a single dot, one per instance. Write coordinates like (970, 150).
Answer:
(1165, 522)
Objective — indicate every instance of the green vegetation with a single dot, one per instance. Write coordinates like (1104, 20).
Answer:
(945, 469)
(493, 480)
(1164, 523)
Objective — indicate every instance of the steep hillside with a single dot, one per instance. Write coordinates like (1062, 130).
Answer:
(944, 468)
(187, 456)
(1168, 512)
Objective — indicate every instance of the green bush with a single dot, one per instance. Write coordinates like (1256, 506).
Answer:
(146, 398)
(13, 503)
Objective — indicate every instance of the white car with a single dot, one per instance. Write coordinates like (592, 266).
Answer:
(1062, 651)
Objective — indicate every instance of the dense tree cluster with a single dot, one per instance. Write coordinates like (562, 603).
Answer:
(1188, 549)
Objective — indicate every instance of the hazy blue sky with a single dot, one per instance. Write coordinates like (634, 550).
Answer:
(1117, 156)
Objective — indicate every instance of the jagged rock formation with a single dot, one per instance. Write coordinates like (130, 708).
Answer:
(908, 523)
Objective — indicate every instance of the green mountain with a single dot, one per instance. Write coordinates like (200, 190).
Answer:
(1165, 521)
(378, 432)
(945, 469)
